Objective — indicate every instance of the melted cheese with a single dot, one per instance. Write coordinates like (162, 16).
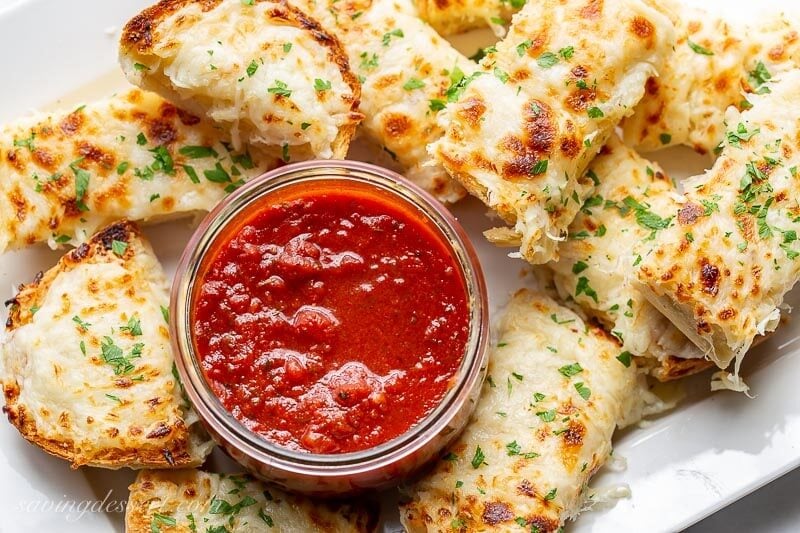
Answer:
(265, 72)
(686, 102)
(406, 69)
(189, 501)
(449, 17)
(720, 273)
(542, 427)
(775, 42)
(523, 131)
(595, 269)
(110, 149)
(87, 367)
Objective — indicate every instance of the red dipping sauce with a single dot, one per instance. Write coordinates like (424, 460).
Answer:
(331, 319)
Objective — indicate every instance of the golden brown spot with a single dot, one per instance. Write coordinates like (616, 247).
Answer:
(722, 83)
(45, 159)
(579, 72)
(651, 86)
(161, 132)
(580, 99)
(160, 431)
(496, 512)
(15, 161)
(471, 111)
(525, 488)
(727, 313)
(592, 9)
(96, 154)
(71, 124)
(709, 275)
(642, 28)
(395, 125)
(689, 214)
(570, 147)
(384, 82)
(17, 199)
(187, 118)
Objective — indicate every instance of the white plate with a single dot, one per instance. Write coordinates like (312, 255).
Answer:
(707, 453)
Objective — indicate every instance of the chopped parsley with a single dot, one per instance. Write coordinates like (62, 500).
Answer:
(26, 143)
(197, 152)
(134, 327)
(387, 37)
(413, 83)
(644, 217)
(266, 518)
(81, 324)
(741, 134)
(321, 85)
(481, 53)
(114, 356)
(665, 138)
(161, 519)
(540, 167)
(252, 68)
(81, 183)
(119, 247)
(524, 46)
(697, 49)
(625, 358)
(758, 77)
(512, 448)
(280, 89)
(479, 458)
(579, 267)
(551, 495)
(547, 416)
(555, 319)
(583, 287)
(287, 47)
(547, 60)
(122, 168)
(595, 112)
(583, 390)
(570, 370)
(501, 75)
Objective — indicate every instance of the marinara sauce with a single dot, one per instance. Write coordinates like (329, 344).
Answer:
(331, 319)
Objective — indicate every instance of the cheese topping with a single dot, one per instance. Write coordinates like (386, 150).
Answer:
(265, 72)
(134, 156)
(87, 367)
(721, 272)
(556, 390)
(542, 105)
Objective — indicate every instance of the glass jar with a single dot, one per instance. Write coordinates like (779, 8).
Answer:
(332, 474)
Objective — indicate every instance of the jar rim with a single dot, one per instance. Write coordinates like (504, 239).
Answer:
(245, 441)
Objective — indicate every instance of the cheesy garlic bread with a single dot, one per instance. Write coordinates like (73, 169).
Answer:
(262, 70)
(542, 105)
(86, 366)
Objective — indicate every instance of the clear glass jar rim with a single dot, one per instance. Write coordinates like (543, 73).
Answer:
(208, 405)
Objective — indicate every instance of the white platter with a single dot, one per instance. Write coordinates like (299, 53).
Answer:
(683, 466)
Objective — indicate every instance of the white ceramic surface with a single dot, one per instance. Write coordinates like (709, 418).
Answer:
(683, 466)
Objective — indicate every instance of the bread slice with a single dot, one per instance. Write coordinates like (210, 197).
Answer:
(522, 132)
(185, 501)
(134, 156)
(263, 70)
(556, 390)
(86, 367)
